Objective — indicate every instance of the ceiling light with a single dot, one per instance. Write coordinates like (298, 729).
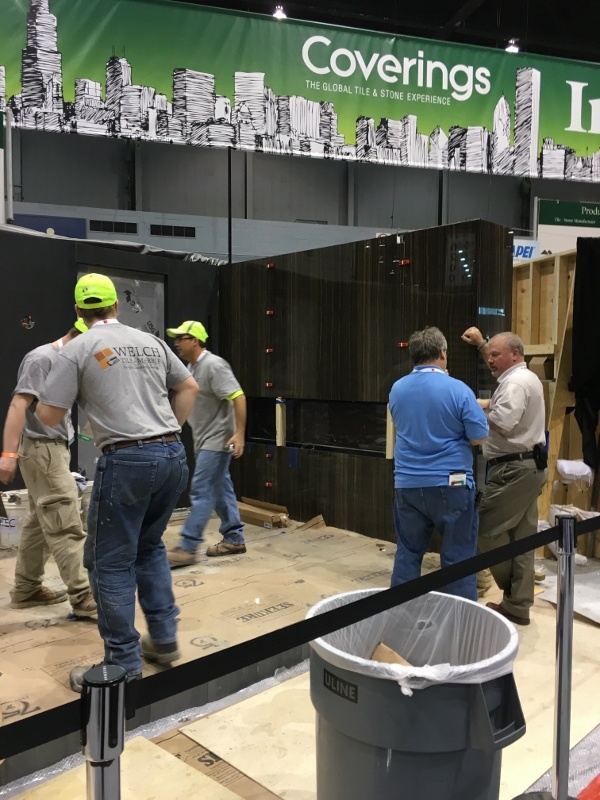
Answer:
(279, 13)
(512, 46)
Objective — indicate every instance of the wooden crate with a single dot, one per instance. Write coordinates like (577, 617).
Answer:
(540, 299)
(542, 305)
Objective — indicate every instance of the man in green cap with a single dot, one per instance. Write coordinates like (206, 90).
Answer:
(53, 525)
(218, 423)
(121, 377)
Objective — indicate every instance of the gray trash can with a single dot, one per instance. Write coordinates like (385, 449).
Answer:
(433, 731)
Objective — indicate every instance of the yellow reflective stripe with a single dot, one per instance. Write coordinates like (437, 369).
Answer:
(239, 393)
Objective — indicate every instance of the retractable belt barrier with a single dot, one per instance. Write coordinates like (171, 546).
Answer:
(39, 729)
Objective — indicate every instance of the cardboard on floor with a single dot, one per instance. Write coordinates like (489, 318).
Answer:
(222, 601)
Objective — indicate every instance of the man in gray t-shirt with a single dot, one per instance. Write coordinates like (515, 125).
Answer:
(53, 524)
(122, 378)
(218, 423)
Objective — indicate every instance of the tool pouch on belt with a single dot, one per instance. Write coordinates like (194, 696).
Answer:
(540, 456)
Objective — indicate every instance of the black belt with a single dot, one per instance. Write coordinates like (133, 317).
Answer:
(510, 457)
(168, 437)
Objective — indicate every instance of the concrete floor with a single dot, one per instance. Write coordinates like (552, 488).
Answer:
(287, 570)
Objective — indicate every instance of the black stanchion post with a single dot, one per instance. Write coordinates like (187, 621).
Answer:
(565, 591)
(103, 730)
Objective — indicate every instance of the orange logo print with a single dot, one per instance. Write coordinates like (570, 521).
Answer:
(106, 358)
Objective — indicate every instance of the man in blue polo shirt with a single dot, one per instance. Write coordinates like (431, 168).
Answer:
(437, 419)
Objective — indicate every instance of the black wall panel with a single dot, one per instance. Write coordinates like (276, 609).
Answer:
(329, 324)
(332, 325)
(37, 279)
(352, 492)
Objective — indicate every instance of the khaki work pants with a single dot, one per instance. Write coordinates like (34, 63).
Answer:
(53, 525)
(507, 513)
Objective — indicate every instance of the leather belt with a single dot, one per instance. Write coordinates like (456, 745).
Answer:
(168, 437)
(510, 457)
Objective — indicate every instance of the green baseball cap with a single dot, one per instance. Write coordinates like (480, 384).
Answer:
(189, 328)
(95, 291)
(80, 325)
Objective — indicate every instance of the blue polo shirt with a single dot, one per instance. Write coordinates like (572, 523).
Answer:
(435, 417)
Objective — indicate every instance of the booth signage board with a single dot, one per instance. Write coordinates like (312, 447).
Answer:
(525, 249)
(173, 72)
(561, 222)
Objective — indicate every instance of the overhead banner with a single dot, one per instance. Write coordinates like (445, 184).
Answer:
(171, 72)
(561, 222)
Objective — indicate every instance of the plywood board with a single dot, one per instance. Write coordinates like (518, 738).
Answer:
(270, 737)
(198, 757)
(147, 773)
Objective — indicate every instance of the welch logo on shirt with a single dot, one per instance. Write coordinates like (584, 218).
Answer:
(106, 358)
(130, 356)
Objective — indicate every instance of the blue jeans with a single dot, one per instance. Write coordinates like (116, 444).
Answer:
(212, 489)
(451, 509)
(135, 491)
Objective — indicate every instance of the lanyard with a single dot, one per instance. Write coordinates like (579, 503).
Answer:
(428, 369)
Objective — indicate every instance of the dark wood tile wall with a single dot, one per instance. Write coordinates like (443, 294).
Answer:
(329, 325)
(352, 492)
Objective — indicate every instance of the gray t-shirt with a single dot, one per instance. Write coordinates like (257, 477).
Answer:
(120, 377)
(31, 379)
(212, 419)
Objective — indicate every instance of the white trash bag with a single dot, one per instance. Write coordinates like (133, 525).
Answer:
(446, 639)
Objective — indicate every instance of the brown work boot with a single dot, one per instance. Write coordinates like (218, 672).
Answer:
(86, 607)
(43, 597)
(499, 609)
(224, 548)
(178, 557)
(159, 653)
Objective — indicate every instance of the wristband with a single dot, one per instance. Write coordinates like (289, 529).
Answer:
(10, 455)
(485, 341)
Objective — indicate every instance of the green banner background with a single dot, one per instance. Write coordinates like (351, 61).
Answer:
(157, 36)
(569, 213)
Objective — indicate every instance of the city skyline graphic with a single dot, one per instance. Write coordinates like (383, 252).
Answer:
(257, 119)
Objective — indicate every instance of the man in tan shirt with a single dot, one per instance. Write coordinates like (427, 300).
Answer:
(515, 452)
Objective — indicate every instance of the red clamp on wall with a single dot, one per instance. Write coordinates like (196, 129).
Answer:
(270, 313)
(403, 263)
(269, 384)
(270, 266)
(402, 344)
(269, 350)
(268, 455)
(268, 484)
